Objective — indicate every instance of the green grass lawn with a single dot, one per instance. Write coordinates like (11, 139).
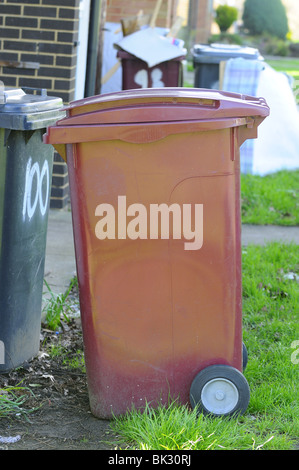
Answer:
(289, 65)
(271, 199)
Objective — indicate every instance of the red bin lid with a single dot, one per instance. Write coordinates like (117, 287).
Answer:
(148, 114)
(162, 104)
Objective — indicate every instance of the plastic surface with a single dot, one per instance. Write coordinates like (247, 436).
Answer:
(25, 185)
(156, 311)
(26, 111)
(214, 53)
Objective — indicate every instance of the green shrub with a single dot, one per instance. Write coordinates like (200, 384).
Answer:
(278, 47)
(294, 49)
(225, 17)
(265, 16)
(226, 38)
(271, 45)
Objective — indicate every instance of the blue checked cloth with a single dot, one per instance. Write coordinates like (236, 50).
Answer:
(242, 76)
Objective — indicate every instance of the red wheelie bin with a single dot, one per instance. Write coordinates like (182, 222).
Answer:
(155, 193)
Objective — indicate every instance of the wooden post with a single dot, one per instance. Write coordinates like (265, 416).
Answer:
(98, 83)
(155, 14)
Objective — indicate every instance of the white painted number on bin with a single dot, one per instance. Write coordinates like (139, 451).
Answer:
(33, 194)
(141, 78)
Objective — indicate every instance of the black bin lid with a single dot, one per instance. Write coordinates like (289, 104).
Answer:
(214, 53)
(28, 111)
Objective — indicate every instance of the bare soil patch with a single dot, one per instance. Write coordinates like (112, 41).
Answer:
(56, 406)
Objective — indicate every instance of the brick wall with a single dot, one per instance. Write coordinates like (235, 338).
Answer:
(43, 32)
(200, 16)
(118, 9)
(204, 20)
(200, 20)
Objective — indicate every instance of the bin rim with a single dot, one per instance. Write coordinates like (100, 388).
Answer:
(114, 116)
(215, 52)
(238, 104)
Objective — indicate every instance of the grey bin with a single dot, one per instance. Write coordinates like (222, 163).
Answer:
(207, 58)
(25, 185)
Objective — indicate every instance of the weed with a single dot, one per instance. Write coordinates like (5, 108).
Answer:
(71, 359)
(57, 307)
(12, 401)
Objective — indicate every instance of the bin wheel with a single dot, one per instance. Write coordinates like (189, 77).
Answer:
(220, 390)
(245, 357)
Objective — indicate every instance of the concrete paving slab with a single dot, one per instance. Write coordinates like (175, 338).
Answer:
(60, 263)
(261, 234)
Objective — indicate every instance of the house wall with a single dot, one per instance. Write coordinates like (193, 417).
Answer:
(119, 9)
(200, 20)
(45, 32)
(200, 16)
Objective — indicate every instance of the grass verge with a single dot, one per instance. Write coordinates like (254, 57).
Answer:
(271, 199)
(288, 65)
(58, 308)
(271, 335)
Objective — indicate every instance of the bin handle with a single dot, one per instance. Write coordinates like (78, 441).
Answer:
(41, 91)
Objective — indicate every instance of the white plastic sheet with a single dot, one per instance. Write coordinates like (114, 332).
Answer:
(113, 33)
(277, 145)
(148, 45)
